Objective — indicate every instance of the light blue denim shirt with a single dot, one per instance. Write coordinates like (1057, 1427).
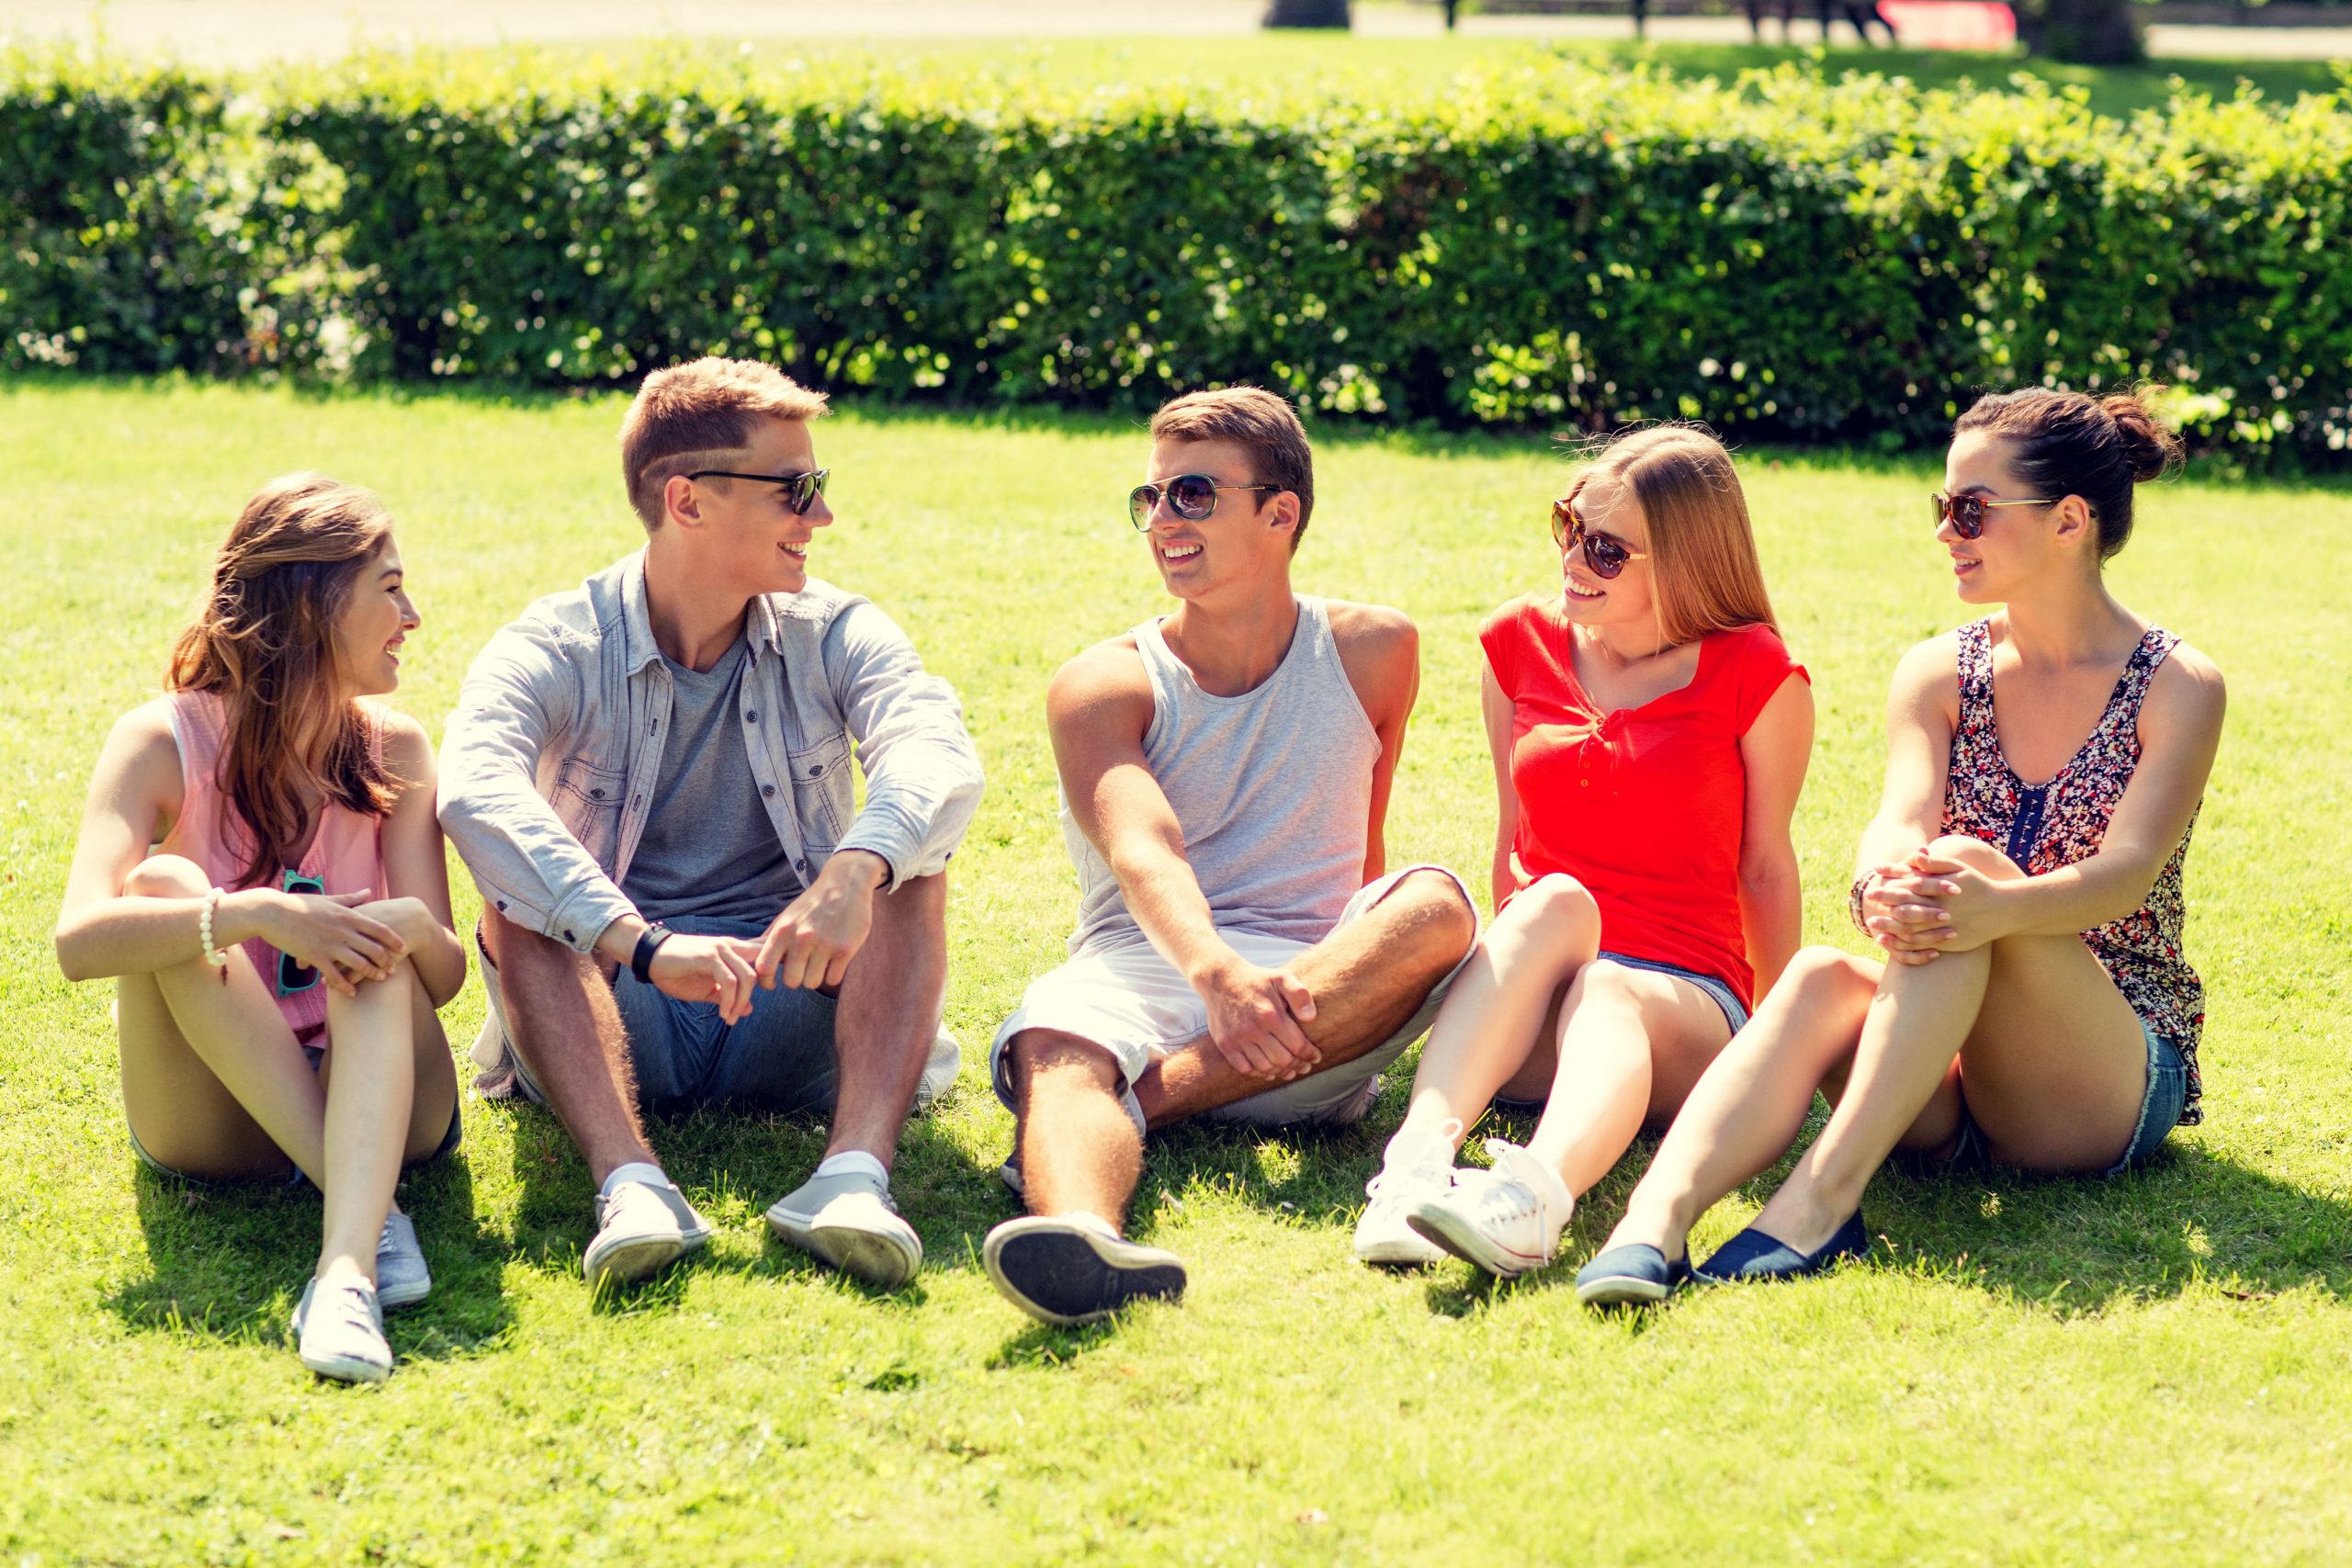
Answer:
(549, 764)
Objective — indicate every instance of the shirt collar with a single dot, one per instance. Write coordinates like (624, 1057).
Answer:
(762, 627)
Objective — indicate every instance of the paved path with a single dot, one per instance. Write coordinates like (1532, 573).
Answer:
(244, 32)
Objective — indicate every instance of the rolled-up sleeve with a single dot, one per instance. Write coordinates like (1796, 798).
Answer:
(516, 700)
(923, 773)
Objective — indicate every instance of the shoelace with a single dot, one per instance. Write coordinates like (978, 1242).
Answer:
(1506, 1193)
(348, 1306)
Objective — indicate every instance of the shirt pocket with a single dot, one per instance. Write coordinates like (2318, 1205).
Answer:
(588, 799)
(822, 793)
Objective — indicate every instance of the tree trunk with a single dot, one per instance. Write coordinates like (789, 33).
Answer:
(1308, 14)
(2082, 32)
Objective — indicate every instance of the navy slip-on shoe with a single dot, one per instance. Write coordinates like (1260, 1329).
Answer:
(1638, 1275)
(1752, 1255)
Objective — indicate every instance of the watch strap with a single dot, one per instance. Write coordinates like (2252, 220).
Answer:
(648, 942)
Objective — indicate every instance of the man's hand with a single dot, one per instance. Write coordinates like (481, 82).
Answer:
(1255, 1019)
(811, 942)
(706, 969)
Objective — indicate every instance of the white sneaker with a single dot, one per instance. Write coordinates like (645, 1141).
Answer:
(640, 1229)
(339, 1332)
(939, 1070)
(850, 1222)
(1507, 1219)
(1408, 1176)
(401, 1278)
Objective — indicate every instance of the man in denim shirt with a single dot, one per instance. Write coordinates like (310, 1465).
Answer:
(650, 779)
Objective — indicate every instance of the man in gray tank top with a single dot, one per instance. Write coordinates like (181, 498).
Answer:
(1242, 950)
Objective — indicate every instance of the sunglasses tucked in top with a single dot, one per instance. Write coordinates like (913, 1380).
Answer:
(1965, 511)
(295, 977)
(1605, 553)
(800, 490)
(1190, 496)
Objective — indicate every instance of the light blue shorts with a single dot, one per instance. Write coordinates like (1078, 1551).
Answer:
(2160, 1107)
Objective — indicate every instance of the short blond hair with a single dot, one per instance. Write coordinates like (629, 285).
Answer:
(1703, 552)
(698, 415)
(1258, 421)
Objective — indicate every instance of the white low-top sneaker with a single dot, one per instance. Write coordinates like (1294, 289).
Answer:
(401, 1278)
(339, 1332)
(851, 1222)
(1410, 1177)
(640, 1229)
(939, 1070)
(1506, 1219)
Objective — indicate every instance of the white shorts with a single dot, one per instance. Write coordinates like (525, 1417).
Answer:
(1134, 1003)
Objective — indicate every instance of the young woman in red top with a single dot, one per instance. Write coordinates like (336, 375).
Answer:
(1648, 747)
(2034, 1008)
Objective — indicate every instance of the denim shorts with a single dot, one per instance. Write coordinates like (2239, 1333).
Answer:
(779, 1058)
(448, 1143)
(2160, 1106)
(1719, 993)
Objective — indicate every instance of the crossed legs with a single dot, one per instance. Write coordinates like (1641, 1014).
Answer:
(1079, 1150)
(2050, 1057)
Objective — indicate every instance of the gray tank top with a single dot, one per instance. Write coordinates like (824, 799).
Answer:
(1273, 789)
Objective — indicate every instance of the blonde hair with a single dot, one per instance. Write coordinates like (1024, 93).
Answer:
(264, 642)
(1703, 552)
(698, 415)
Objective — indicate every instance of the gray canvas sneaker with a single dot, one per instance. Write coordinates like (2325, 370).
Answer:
(401, 1278)
(339, 1332)
(640, 1229)
(850, 1222)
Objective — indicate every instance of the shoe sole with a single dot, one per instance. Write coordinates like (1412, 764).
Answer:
(1622, 1290)
(637, 1258)
(1068, 1276)
(873, 1258)
(391, 1298)
(1397, 1253)
(342, 1369)
(1443, 1228)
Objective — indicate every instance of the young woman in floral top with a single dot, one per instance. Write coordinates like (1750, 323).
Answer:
(2022, 875)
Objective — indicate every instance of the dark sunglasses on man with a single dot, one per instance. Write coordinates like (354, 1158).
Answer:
(800, 490)
(1190, 496)
(1606, 554)
(1966, 511)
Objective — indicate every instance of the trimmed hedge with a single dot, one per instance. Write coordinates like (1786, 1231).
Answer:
(1555, 243)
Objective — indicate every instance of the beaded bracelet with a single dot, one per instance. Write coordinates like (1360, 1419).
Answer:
(217, 957)
(1854, 903)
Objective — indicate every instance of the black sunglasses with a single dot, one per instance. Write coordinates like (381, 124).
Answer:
(800, 490)
(1966, 513)
(1190, 496)
(1605, 553)
(294, 979)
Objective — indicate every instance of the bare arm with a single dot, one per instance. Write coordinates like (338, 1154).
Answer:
(417, 901)
(1496, 709)
(1097, 710)
(1381, 652)
(1774, 751)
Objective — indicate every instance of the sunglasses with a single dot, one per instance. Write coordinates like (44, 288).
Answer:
(1190, 496)
(1966, 513)
(294, 979)
(1605, 553)
(800, 490)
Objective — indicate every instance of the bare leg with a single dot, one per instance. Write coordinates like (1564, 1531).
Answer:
(1749, 1106)
(1494, 1019)
(1368, 979)
(888, 1016)
(367, 1110)
(1633, 1043)
(564, 1022)
(1091, 1157)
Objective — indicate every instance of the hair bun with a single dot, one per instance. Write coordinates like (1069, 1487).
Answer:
(2151, 449)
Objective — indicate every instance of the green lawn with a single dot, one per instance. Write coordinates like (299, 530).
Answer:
(2152, 1370)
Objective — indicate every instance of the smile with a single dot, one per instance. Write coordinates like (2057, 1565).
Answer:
(1576, 590)
(1179, 551)
(799, 551)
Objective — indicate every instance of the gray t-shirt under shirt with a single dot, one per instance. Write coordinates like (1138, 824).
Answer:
(709, 849)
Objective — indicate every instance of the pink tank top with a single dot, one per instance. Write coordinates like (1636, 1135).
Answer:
(347, 853)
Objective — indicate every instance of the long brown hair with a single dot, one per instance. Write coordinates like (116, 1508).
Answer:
(1703, 552)
(263, 641)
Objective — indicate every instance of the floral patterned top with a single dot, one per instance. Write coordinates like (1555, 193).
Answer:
(2045, 827)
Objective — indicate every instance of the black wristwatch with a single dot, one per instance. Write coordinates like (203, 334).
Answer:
(640, 963)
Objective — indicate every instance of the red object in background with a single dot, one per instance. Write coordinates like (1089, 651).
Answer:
(1951, 24)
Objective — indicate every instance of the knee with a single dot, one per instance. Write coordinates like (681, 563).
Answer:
(1816, 973)
(1040, 1055)
(1975, 854)
(1440, 911)
(918, 906)
(166, 876)
(1558, 902)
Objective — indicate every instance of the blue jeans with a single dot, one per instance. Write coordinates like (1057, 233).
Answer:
(2160, 1105)
(779, 1058)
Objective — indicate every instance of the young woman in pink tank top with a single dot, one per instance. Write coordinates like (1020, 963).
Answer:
(260, 870)
(2033, 1007)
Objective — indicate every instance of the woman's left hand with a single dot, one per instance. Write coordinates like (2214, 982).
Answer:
(1973, 908)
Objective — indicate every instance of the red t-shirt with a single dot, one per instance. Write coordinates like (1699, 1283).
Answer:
(1644, 806)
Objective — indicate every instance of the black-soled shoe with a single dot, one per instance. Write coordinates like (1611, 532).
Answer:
(1066, 1269)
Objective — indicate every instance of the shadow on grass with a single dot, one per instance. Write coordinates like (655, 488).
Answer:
(230, 1261)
